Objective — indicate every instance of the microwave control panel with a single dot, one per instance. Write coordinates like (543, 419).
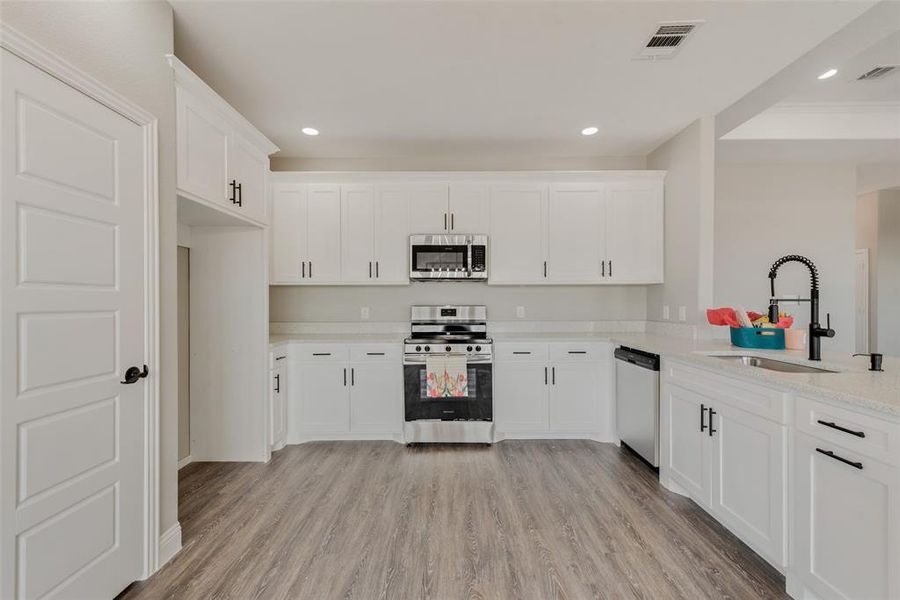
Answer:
(479, 259)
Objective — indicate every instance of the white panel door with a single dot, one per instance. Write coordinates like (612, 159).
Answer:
(845, 538)
(72, 226)
(391, 235)
(428, 208)
(203, 150)
(376, 397)
(575, 230)
(248, 170)
(576, 390)
(469, 208)
(520, 396)
(288, 233)
(634, 233)
(323, 396)
(323, 234)
(517, 234)
(748, 471)
(685, 458)
(357, 233)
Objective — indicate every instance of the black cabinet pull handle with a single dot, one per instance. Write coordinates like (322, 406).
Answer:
(830, 454)
(345, 377)
(518, 352)
(370, 269)
(321, 353)
(610, 268)
(280, 357)
(545, 268)
(310, 269)
(553, 370)
(833, 425)
(233, 186)
(711, 413)
(702, 417)
(376, 270)
(452, 221)
(545, 375)
(352, 376)
(303, 269)
(375, 353)
(603, 268)
(577, 352)
(135, 373)
(445, 221)
(278, 384)
(240, 194)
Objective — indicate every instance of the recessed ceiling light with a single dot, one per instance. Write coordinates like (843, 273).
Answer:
(828, 73)
(589, 131)
(310, 131)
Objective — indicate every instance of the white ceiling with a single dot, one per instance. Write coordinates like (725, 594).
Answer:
(394, 79)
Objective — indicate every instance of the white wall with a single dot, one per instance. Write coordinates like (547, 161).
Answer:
(888, 273)
(391, 304)
(123, 45)
(689, 158)
(867, 237)
(872, 177)
(764, 211)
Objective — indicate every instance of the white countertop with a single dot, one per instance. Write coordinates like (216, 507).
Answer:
(853, 383)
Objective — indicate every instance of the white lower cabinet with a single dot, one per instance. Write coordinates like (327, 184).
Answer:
(730, 461)
(553, 389)
(340, 390)
(845, 529)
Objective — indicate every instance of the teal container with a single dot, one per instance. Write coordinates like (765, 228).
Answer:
(769, 338)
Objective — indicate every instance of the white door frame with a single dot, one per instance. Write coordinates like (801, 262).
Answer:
(32, 52)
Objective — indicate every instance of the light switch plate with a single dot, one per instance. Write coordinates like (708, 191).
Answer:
(520, 312)
(364, 313)
(665, 312)
(682, 313)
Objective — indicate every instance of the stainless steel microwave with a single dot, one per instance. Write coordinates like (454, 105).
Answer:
(453, 257)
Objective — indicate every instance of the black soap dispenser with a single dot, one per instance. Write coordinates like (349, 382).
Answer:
(874, 360)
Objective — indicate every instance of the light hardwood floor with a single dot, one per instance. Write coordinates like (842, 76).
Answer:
(522, 519)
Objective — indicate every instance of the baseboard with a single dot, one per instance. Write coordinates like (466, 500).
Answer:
(169, 543)
(185, 461)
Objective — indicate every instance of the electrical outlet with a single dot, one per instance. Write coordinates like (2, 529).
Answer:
(520, 312)
(665, 312)
(364, 313)
(682, 313)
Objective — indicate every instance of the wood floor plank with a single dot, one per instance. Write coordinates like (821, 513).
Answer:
(377, 520)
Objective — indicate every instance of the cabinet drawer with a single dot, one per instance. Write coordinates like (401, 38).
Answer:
(593, 351)
(375, 352)
(868, 435)
(321, 352)
(755, 399)
(519, 351)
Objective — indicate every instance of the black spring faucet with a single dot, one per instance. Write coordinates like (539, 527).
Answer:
(816, 331)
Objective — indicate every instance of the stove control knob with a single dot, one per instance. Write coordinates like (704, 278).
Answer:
(468, 348)
(448, 348)
(427, 348)
(418, 348)
(477, 348)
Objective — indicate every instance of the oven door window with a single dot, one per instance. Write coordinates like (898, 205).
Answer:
(439, 258)
(472, 387)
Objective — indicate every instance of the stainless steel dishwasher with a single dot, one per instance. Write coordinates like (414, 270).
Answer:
(637, 402)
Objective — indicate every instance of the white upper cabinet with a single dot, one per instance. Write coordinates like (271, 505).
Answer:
(603, 229)
(516, 242)
(222, 159)
(469, 208)
(575, 233)
(357, 233)
(428, 208)
(634, 232)
(323, 234)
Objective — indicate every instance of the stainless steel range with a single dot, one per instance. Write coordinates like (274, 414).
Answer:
(436, 333)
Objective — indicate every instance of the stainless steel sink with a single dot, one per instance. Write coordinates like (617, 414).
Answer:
(770, 363)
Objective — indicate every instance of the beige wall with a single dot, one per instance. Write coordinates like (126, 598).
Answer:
(123, 45)
(391, 304)
(184, 352)
(689, 158)
(867, 237)
(765, 211)
(473, 163)
(889, 273)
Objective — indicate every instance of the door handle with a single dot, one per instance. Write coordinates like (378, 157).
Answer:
(553, 371)
(545, 268)
(303, 269)
(376, 270)
(345, 377)
(711, 414)
(233, 186)
(610, 268)
(452, 221)
(445, 221)
(702, 418)
(310, 269)
(602, 268)
(545, 375)
(135, 373)
(240, 194)
(352, 376)
(370, 269)
(277, 384)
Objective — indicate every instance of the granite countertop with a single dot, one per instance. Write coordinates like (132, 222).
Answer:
(853, 384)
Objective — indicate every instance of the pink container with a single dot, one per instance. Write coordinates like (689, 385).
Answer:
(795, 339)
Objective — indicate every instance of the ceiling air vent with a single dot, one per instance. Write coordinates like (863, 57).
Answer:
(877, 72)
(668, 39)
